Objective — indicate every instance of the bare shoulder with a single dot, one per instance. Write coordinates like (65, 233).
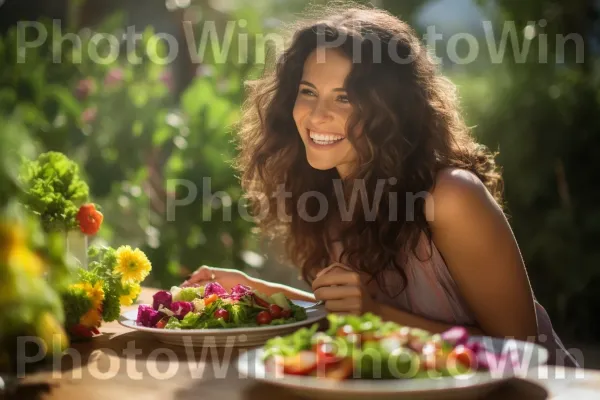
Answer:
(456, 194)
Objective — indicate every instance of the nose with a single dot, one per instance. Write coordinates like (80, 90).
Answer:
(320, 113)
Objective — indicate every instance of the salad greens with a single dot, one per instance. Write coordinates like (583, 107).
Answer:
(211, 306)
(366, 347)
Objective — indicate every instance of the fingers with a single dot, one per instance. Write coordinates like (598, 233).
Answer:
(334, 266)
(336, 276)
(346, 298)
(351, 305)
(336, 292)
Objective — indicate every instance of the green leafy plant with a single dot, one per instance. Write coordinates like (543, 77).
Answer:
(33, 268)
(54, 190)
(99, 292)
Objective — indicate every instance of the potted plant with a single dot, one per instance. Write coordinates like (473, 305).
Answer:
(56, 193)
(111, 281)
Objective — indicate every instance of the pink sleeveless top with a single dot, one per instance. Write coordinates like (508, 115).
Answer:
(432, 293)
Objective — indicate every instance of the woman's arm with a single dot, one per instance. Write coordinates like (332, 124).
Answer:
(228, 278)
(389, 313)
(270, 287)
(476, 241)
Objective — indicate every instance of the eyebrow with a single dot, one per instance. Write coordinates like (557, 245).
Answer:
(307, 83)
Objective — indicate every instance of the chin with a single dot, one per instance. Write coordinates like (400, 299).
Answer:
(321, 165)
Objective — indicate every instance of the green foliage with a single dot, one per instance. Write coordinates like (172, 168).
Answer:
(54, 190)
(100, 269)
(76, 304)
(15, 145)
(102, 263)
(133, 139)
(32, 264)
(542, 117)
(136, 142)
(111, 308)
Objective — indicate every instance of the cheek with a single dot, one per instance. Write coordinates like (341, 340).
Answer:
(350, 152)
(300, 110)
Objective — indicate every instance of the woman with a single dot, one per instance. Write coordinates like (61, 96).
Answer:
(357, 144)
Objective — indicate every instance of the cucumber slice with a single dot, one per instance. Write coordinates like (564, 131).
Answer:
(280, 300)
(263, 296)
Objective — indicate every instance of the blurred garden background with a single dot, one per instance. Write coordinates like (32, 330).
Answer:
(139, 126)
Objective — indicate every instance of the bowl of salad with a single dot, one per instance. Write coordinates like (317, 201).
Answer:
(210, 315)
(362, 356)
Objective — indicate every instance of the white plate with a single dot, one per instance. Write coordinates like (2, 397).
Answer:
(226, 337)
(476, 384)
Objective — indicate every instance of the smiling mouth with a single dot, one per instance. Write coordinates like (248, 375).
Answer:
(324, 139)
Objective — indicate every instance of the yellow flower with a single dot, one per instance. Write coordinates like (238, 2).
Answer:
(12, 234)
(133, 265)
(133, 291)
(95, 293)
(52, 334)
(91, 319)
(14, 251)
(20, 257)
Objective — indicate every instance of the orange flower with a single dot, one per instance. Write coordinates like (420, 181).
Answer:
(89, 219)
(95, 293)
(91, 319)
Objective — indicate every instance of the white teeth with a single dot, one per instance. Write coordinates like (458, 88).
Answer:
(323, 139)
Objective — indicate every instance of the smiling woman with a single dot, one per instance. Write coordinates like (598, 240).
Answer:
(357, 99)
(321, 112)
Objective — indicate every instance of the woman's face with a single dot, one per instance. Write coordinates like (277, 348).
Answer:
(321, 111)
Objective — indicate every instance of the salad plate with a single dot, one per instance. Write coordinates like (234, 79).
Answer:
(209, 315)
(331, 365)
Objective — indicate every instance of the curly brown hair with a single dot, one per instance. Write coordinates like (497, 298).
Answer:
(410, 128)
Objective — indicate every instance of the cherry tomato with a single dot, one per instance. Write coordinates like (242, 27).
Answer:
(345, 330)
(161, 323)
(210, 299)
(461, 356)
(286, 313)
(222, 313)
(302, 363)
(260, 302)
(340, 370)
(275, 311)
(326, 354)
(264, 318)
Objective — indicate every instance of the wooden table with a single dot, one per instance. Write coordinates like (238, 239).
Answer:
(122, 364)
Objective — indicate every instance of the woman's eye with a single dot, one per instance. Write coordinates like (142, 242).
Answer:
(307, 92)
(343, 99)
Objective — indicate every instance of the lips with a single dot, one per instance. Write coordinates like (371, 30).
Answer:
(324, 138)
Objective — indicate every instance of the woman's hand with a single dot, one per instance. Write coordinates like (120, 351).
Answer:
(343, 291)
(228, 278)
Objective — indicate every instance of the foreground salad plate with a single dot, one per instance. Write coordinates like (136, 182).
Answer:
(365, 357)
(479, 383)
(226, 337)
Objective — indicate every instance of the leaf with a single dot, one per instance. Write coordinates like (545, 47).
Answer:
(139, 95)
(199, 94)
(65, 99)
(138, 128)
(161, 135)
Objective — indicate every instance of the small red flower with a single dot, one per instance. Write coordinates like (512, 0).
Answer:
(84, 88)
(113, 77)
(81, 331)
(89, 219)
(89, 115)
